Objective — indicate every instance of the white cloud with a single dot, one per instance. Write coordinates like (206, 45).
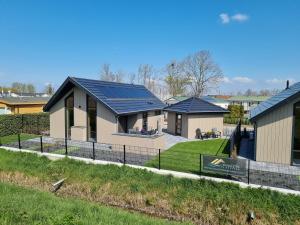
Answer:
(280, 81)
(224, 18)
(244, 80)
(226, 80)
(239, 17)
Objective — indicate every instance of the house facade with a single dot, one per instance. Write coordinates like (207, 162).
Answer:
(106, 112)
(277, 127)
(21, 105)
(248, 102)
(192, 114)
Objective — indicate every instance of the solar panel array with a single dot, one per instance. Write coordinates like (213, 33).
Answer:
(195, 105)
(121, 98)
(275, 100)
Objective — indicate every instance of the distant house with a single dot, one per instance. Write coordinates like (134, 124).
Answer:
(216, 101)
(20, 105)
(277, 127)
(248, 102)
(187, 116)
(106, 112)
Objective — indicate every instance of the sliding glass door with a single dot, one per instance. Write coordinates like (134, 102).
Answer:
(178, 124)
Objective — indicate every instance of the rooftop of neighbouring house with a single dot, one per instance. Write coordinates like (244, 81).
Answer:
(275, 101)
(24, 100)
(248, 98)
(213, 99)
(121, 98)
(195, 105)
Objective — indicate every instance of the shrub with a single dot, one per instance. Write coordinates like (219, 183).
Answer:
(33, 123)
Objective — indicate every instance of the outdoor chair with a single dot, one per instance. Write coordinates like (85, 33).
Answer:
(216, 133)
(200, 134)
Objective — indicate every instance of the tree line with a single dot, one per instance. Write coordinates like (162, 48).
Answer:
(194, 75)
(29, 88)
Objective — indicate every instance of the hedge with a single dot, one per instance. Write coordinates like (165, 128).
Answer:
(235, 120)
(33, 123)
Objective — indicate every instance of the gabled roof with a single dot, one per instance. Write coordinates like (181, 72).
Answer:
(121, 98)
(213, 99)
(248, 98)
(277, 100)
(24, 100)
(178, 98)
(195, 105)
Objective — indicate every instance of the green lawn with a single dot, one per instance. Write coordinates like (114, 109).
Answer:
(14, 138)
(185, 156)
(24, 206)
(200, 201)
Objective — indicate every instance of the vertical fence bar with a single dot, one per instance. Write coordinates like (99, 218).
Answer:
(94, 155)
(200, 164)
(124, 154)
(19, 141)
(41, 140)
(248, 171)
(66, 146)
(159, 159)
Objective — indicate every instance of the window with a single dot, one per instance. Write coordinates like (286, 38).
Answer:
(91, 119)
(157, 112)
(69, 115)
(296, 132)
(145, 121)
(178, 124)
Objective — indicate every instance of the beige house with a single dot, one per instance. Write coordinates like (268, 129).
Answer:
(106, 112)
(194, 116)
(277, 127)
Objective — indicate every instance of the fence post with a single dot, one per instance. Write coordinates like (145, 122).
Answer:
(200, 163)
(94, 155)
(66, 146)
(124, 154)
(19, 141)
(248, 171)
(41, 139)
(159, 159)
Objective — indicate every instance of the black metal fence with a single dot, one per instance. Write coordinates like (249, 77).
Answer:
(244, 170)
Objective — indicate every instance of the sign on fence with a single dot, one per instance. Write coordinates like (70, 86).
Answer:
(228, 166)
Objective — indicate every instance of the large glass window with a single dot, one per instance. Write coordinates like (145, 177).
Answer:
(296, 132)
(145, 121)
(69, 115)
(91, 119)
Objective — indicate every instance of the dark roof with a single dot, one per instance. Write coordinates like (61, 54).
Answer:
(119, 97)
(277, 100)
(195, 105)
(24, 100)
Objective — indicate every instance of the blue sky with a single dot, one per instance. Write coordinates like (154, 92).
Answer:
(256, 43)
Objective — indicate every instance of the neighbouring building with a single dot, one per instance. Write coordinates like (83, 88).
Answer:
(277, 127)
(192, 114)
(21, 105)
(248, 102)
(106, 112)
(175, 99)
(216, 101)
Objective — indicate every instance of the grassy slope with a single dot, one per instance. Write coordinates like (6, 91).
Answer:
(24, 206)
(14, 138)
(201, 201)
(185, 156)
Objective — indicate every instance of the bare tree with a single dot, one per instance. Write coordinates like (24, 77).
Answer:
(132, 78)
(203, 73)
(106, 74)
(31, 88)
(49, 89)
(145, 74)
(250, 92)
(175, 80)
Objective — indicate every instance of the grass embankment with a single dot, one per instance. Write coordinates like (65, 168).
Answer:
(24, 206)
(200, 201)
(185, 156)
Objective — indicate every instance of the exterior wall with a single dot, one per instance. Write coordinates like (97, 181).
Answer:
(185, 126)
(171, 122)
(154, 121)
(57, 120)
(205, 122)
(80, 116)
(106, 124)
(274, 135)
(22, 109)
